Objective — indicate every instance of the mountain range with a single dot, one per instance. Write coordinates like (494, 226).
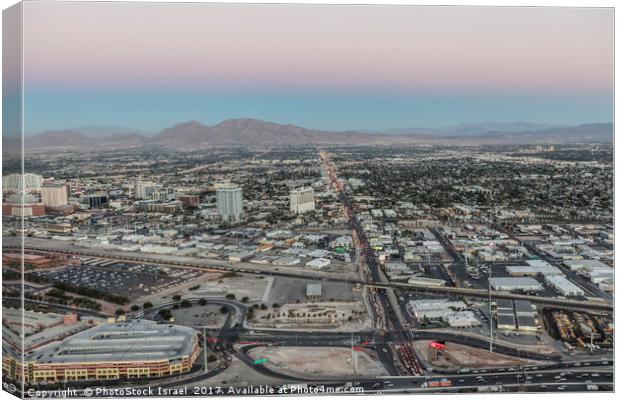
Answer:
(248, 131)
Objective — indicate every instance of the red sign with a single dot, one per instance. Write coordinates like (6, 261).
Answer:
(437, 345)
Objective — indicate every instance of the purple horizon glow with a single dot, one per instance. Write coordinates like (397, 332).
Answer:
(310, 47)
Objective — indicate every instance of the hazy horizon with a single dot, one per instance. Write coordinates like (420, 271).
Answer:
(136, 65)
(393, 130)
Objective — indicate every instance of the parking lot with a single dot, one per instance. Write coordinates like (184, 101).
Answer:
(130, 280)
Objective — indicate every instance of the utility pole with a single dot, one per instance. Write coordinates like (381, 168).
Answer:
(204, 340)
(353, 360)
(490, 313)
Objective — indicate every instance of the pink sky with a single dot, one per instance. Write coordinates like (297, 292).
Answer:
(306, 46)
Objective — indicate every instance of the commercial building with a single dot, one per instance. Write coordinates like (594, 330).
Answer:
(56, 195)
(302, 200)
(32, 260)
(164, 194)
(418, 280)
(144, 190)
(462, 319)
(534, 268)
(189, 200)
(318, 263)
(596, 271)
(240, 256)
(229, 202)
(314, 291)
(139, 349)
(94, 201)
(451, 312)
(564, 286)
(155, 207)
(526, 323)
(525, 284)
(21, 182)
(506, 322)
(23, 206)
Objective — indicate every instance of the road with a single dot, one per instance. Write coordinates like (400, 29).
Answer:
(373, 280)
(384, 310)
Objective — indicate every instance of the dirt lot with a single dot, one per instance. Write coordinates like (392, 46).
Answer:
(209, 316)
(321, 315)
(458, 355)
(318, 362)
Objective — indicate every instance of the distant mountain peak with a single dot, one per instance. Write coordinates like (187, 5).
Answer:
(253, 131)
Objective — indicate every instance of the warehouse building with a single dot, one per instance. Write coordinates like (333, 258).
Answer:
(524, 307)
(534, 268)
(526, 323)
(525, 284)
(506, 322)
(318, 263)
(417, 280)
(564, 286)
(120, 350)
(314, 291)
(503, 306)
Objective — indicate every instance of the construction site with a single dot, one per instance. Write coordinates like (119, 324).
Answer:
(319, 362)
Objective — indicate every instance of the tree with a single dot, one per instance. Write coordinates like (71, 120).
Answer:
(186, 303)
(202, 302)
(211, 358)
(176, 297)
(223, 310)
(135, 307)
(230, 296)
(245, 299)
(165, 314)
(147, 305)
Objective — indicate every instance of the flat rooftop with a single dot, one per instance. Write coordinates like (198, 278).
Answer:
(134, 340)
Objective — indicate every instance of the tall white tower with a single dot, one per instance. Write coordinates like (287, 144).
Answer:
(302, 200)
(229, 202)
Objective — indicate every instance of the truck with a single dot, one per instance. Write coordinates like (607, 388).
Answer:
(490, 388)
(439, 383)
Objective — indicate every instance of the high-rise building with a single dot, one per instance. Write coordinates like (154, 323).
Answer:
(302, 200)
(229, 202)
(144, 190)
(94, 201)
(55, 195)
(19, 182)
(164, 194)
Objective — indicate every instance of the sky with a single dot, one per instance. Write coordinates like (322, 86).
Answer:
(149, 66)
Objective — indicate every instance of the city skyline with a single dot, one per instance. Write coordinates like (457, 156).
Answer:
(430, 66)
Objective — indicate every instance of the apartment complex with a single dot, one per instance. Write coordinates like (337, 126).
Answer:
(229, 202)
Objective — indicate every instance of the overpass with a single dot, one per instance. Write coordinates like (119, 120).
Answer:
(481, 293)
(56, 246)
